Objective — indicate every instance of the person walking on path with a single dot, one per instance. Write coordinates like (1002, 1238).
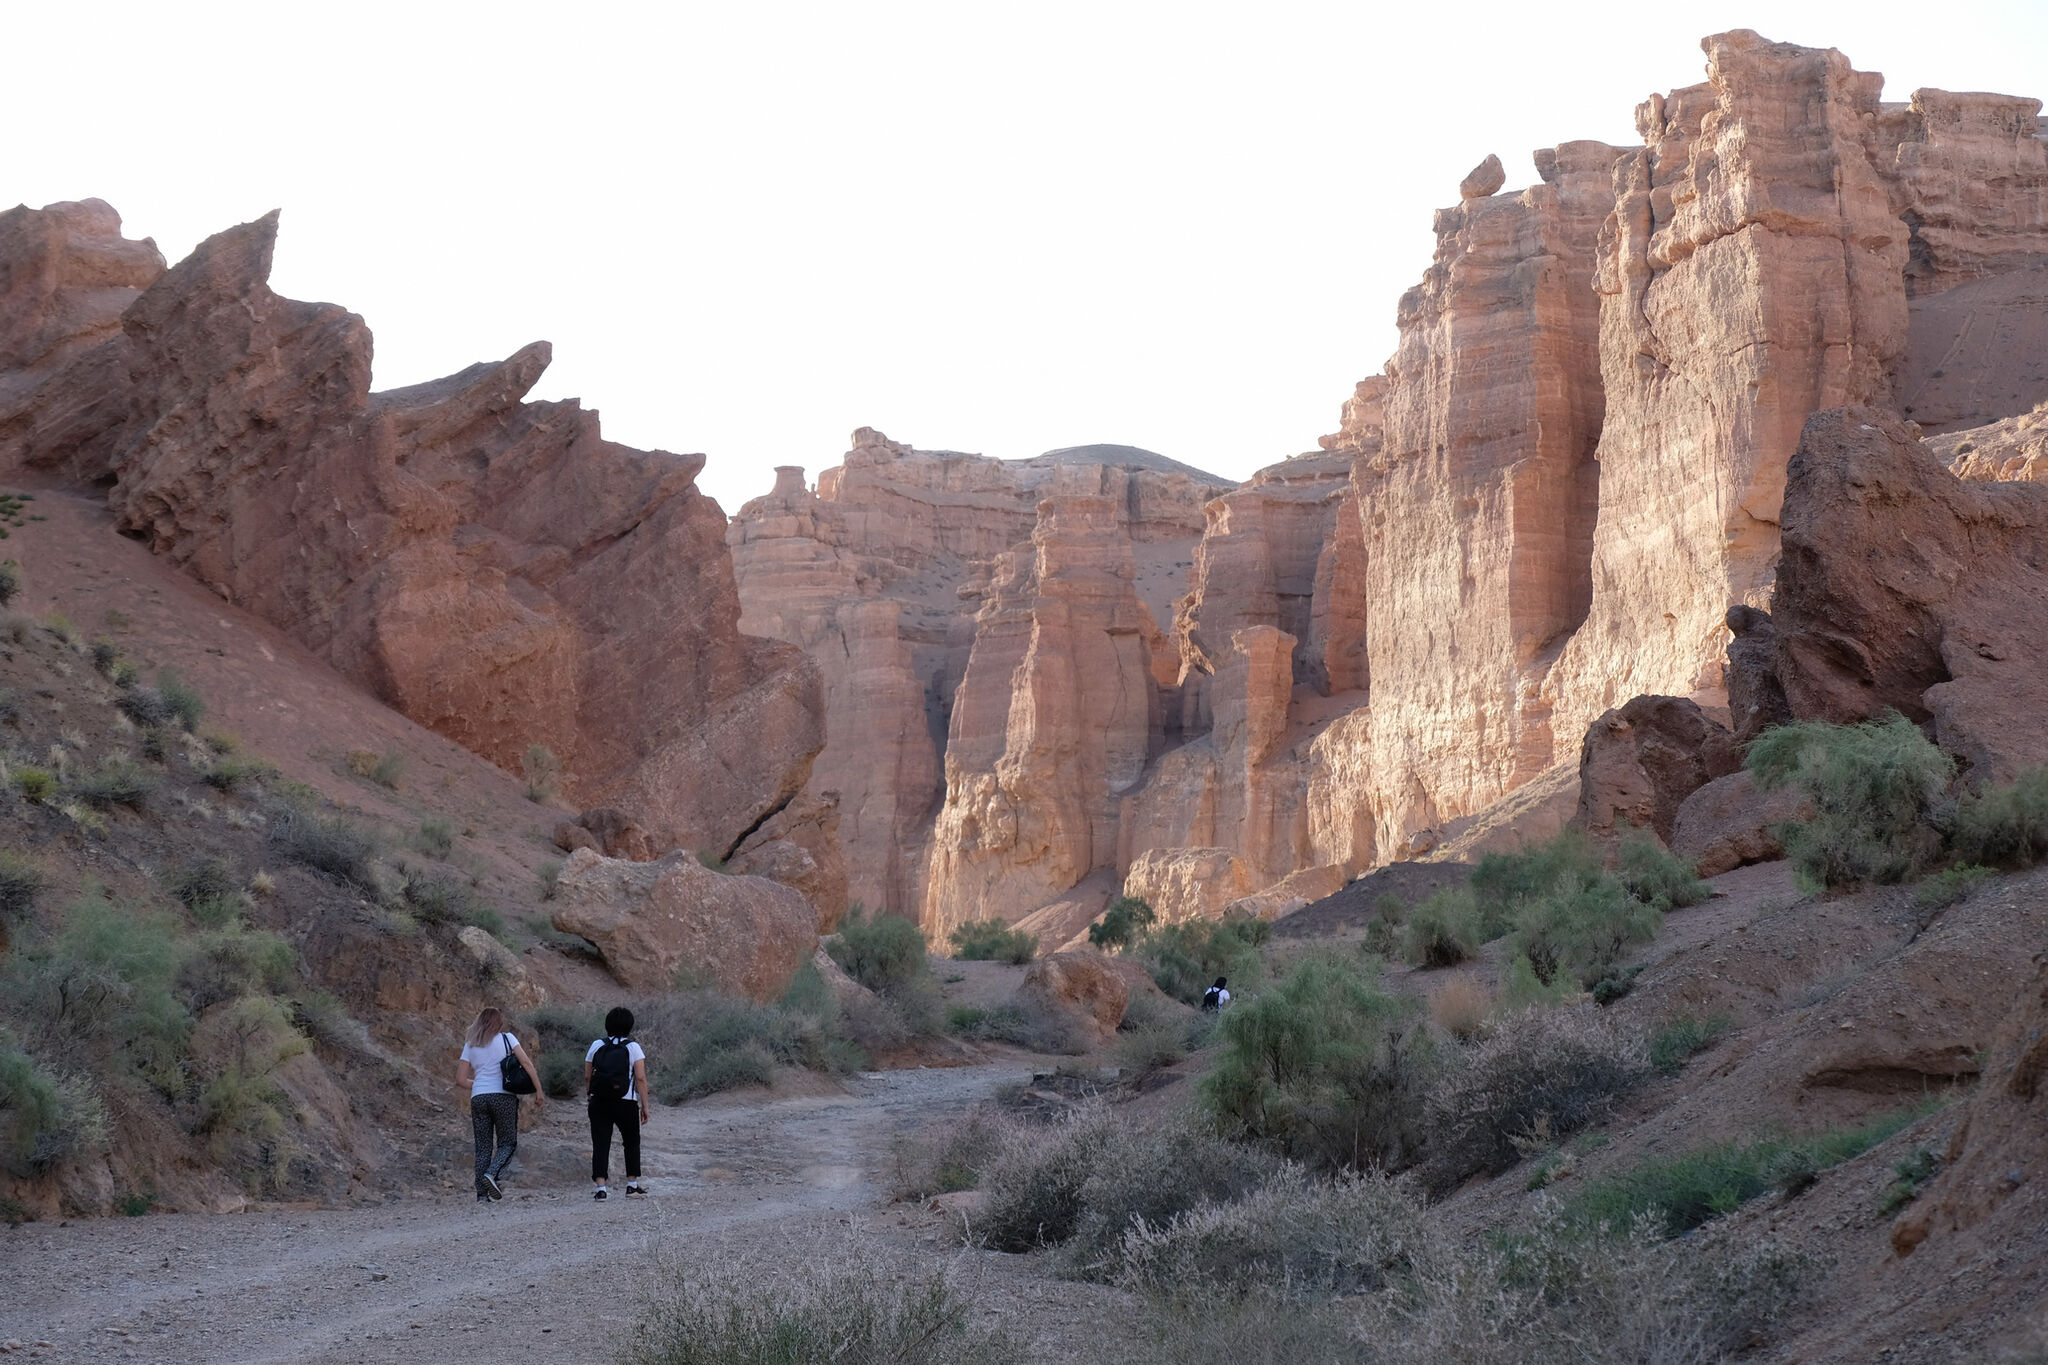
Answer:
(615, 1078)
(493, 1110)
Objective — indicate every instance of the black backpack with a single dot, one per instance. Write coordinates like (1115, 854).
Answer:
(1212, 999)
(611, 1070)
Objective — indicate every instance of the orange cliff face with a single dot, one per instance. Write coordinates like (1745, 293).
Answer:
(1572, 468)
(493, 568)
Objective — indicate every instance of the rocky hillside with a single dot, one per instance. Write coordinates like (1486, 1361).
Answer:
(1571, 468)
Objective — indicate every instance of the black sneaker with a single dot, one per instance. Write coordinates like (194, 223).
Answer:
(483, 1198)
(491, 1187)
(635, 1190)
(600, 1193)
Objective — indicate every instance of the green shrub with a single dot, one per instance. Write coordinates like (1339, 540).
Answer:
(104, 656)
(10, 581)
(333, 845)
(21, 881)
(1541, 1075)
(126, 674)
(1154, 1177)
(35, 784)
(1526, 990)
(841, 1307)
(103, 983)
(1681, 1036)
(1908, 1176)
(230, 961)
(2005, 826)
(434, 898)
(1289, 1235)
(44, 1116)
(145, 706)
(1120, 925)
(135, 1203)
(229, 774)
(550, 877)
(709, 1042)
(1506, 885)
(1875, 788)
(1185, 958)
(1950, 885)
(1326, 1068)
(204, 880)
(1679, 1193)
(118, 782)
(1582, 931)
(1035, 1029)
(1655, 876)
(59, 625)
(1034, 1185)
(1442, 931)
(885, 953)
(181, 698)
(991, 940)
(435, 837)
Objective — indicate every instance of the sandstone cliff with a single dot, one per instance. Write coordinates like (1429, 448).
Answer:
(493, 568)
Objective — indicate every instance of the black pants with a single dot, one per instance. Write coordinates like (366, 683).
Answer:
(604, 1116)
(495, 1121)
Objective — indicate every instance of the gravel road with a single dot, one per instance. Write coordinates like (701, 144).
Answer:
(546, 1275)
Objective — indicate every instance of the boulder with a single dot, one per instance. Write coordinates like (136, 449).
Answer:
(570, 836)
(1729, 823)
(653, 922)
(618, 835)
(1088, 986)
(1756, 699)
(503, 973)
(1641, 760)
(1484, 179)
(1903, 587)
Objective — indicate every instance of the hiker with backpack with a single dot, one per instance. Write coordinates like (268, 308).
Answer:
(615, 1078)
(497, 1071)
(1216, 997)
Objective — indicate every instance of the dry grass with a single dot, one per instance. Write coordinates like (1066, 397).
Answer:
(1460, 1008)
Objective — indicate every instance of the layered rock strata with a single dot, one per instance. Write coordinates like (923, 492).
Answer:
(493, 568)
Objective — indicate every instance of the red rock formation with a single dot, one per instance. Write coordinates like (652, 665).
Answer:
(1642, 760)
(1904, 587)
(493, 568)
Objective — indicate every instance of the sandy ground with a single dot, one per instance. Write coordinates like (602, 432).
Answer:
(546, 1275)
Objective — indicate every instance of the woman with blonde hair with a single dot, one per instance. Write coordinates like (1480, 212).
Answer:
(495, 1085)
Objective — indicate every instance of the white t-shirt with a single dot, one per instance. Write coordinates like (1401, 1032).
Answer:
(488, 1062)
(635, 1054)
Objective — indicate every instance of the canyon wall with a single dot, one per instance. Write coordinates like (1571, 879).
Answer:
(493, 568)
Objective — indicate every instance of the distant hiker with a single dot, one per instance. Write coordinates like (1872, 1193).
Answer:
(615, 1077)
(497, 1071)
(1216, 997)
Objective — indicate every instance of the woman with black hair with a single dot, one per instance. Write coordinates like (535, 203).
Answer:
(493, 1110)
(615, 1078)
(1217, 996)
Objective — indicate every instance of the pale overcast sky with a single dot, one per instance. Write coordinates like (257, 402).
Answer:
(749, 228)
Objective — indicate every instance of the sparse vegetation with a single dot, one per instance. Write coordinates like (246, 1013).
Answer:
(1657, 877)
(434, 837)
(437, 898)
(541, 769)
(104, 656)
(1875, 787)
(183, 700)
(550, 877)
(1460, 1009)
(1909, 1175)
(1682, 1192)
(885, 953)
(1681, 1036)
(1442, 931)
(36, 785)
(117, 782)
(1185, 958)
(230, 774)
(1951, 885)
(841, 1308)
(330, 844)
(59, 625)
(1120, 925)
(2005, 826)
(993, 941)
(383, 769)
(10, 581)
(22, 881)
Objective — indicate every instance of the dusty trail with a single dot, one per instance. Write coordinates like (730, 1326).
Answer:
(546, 1275)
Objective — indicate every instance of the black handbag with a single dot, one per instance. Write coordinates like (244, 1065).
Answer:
(512, 1074)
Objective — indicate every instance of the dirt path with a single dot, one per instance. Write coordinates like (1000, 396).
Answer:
(444, 1278)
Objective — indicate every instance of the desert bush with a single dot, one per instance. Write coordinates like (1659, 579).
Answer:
(436, 898)
(1120, 925)
(1919, 1167)
(145, 706)
(882, 952)
(103, 983)
(383, 769)
(233, 960)
(204, 879)
(1460, 1008)
(230, 774)
(991, 940)
(1151, 1046)
(701, 1042)
(10, 581)
(1153, 1177)
(550, 878)
(1656, 876)
(1541, 1075)
(104, 657)
(1676, 1194)
(563, 1033)
(839, 1306)
(946, 1157)
(1054, 1032)
(181, 699)
(36, 785)
(1582, 931)
(1442, 931)
(1681, 1036)
(1185, 958)
(59, 625)
(1326, 1068)
(1034, 1183)
(541, 769)
(1288, 1234)
(1950, 885)
(1505, 885)
(44, 1116)
(324, 1019)
(330, 844)
(22, 881)
(1875, 787)
(117, 782)
(435, 837)
(2005, 825)
(1525, 990)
